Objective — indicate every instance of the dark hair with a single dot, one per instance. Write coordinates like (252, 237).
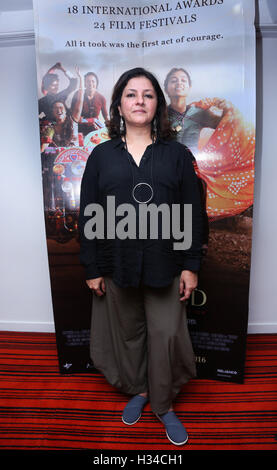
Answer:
(94, 74)
(47, 80)
(67, 128)
(162, 125)
(175, 69)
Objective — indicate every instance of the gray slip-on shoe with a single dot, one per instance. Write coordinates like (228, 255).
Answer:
(132, 411)
(175, 430)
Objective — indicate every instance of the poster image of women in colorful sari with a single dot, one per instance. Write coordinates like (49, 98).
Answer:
(223, 144)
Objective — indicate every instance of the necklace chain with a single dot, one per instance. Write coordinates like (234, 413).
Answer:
(139, 185)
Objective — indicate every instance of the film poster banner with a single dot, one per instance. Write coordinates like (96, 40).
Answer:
(203, 54)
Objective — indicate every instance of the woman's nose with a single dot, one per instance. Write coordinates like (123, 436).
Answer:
(140, 99)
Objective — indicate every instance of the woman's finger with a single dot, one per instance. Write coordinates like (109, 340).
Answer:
(103, 286)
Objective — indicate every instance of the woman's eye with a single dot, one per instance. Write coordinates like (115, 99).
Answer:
(133, 95)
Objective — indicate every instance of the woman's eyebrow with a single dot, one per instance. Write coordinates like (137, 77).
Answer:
(133, 89)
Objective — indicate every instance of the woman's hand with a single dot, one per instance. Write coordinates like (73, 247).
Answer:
(221, 104)
(76, 111)
(77, 70)
(188, 282)
(97, 285)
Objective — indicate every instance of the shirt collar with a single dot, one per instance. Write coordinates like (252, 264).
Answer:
(118, 142)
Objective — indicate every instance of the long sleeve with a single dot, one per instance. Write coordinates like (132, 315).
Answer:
(73, 82)
(89, 194)
(191, 195)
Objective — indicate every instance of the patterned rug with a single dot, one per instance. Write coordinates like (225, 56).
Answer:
(43, 410)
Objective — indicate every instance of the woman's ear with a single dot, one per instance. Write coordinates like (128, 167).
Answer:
(119, 110)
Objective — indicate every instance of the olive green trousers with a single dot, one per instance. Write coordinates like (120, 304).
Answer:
(140, 341)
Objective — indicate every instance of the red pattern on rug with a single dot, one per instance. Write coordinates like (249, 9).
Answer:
(41, 409)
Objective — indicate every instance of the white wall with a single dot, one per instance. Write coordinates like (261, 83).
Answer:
(263, 288)
(25, 287)
(25, 301)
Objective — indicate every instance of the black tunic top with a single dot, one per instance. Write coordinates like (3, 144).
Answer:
(112, 171)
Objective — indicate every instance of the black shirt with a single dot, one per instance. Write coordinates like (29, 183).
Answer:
(112, 171)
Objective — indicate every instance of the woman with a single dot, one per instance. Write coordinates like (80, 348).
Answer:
(225, 141)
(63, 130)
(50, 90)
(139, 335)
(94, 104)
(65, 126)
(188, 120)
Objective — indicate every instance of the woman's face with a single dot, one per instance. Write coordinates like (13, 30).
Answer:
(59, 112)
(53, 87)
(178, 84)
(138, 102)
(90, 83)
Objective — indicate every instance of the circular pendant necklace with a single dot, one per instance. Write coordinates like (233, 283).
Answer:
(142, 193)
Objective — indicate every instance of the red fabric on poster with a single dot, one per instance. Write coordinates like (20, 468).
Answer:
(226, 163)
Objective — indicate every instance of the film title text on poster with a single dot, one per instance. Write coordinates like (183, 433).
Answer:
(184, 7)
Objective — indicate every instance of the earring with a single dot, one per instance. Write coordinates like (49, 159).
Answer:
(122, 125)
